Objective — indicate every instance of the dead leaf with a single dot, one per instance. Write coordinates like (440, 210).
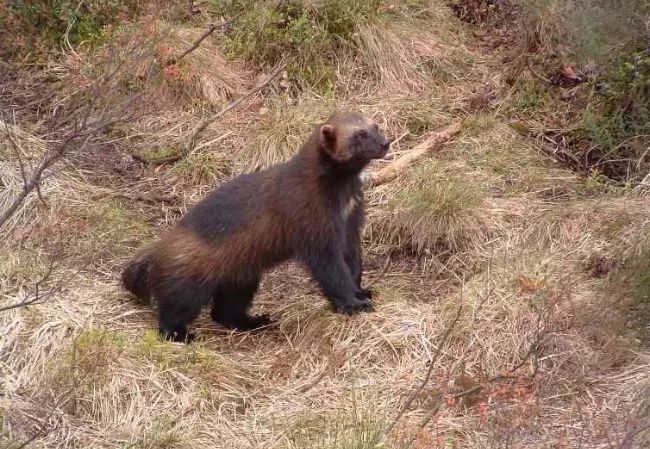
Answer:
(529, 285)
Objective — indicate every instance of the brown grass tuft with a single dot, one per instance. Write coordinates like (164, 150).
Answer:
(204, 73)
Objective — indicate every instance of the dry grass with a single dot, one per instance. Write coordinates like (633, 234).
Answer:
(204, 73)
(437, 210)
(541, 262)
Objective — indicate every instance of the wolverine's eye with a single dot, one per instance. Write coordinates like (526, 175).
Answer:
(362, 135)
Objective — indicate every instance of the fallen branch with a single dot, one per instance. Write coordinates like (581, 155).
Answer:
(427, 145)
(191, 141)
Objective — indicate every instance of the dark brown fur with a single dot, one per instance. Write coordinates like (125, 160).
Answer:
(309, 208)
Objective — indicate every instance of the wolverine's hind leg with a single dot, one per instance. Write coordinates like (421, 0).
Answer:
(230, 305)
(179, 303)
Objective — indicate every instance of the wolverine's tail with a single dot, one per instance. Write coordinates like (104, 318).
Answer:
(135, 276)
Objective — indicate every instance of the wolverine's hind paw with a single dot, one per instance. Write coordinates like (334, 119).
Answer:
(257, 321)
(358, 305)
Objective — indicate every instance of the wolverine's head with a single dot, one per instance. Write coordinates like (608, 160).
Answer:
(352, 139)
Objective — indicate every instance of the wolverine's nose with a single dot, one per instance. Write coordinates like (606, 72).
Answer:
(386, 145)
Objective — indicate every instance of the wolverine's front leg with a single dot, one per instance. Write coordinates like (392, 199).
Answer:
(352, 253)
(329, 269)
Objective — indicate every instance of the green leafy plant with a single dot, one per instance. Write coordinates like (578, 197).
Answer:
(45, 24)
(306, 36)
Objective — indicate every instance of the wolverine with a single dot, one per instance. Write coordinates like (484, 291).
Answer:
(309, 208)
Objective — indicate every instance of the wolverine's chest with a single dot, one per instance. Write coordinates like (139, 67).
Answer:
(351, 205)
(351, 200)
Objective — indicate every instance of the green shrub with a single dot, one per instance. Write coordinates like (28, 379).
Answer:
(618, 120)
(585, 30)
(307, 36)
(606, 39)
(44, 23)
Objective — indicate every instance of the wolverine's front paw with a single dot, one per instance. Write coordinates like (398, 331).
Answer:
(364, 293)
(246, 322)
(177, 336)
(358, 305)
(257, 321)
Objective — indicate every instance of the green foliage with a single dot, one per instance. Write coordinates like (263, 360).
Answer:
(26, 264)
(585, 30)
(161, 434)
(620, 111)
(608, 38)
(204, 168)
(446, 197)
(44, 23)
(340, 17)
(117, 227)
(86, 362)
(308, 36)
(599, 184)
(531, 97)
(194, 359)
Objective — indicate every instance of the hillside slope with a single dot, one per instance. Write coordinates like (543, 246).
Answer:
(509, 289)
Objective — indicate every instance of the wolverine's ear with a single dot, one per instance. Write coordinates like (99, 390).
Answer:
(327, 134)
(328, 142)
(327, 137)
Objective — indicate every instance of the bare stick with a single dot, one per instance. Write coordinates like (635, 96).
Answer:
(28, 187)
(427, 145)
(37, 297)
(527, 58)
(83, 132)
(21, 165)
(203, 37)
(441, 342)
(191, 142)
(149, 199)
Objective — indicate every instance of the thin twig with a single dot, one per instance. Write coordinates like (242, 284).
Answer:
(527, 58)
(442, 340)
(204, 36)
(37, 298)
(436, 406)
(144, 198)
(71, 23)
(21, 165)
(80, 135)
(191, 142)
(40, 298)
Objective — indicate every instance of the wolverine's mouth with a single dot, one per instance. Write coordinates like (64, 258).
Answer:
(384, 149)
